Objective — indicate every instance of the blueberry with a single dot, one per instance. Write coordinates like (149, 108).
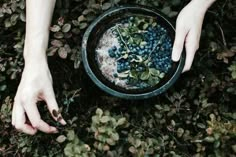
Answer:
(119, 52)
(140, 52)
(114, 48)
(149, 29)
(121, 49)
(117, 55)
(119, 70)
(139, 69)
(123, 60)
(130, 57)
(145, 35)
(111, 53)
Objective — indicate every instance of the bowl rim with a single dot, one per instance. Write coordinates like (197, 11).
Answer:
(111, 91)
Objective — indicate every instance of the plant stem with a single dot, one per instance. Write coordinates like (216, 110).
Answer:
(159, 42)
(117, 28)
(222, 34)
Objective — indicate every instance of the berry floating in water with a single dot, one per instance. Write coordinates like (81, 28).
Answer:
(143, 54)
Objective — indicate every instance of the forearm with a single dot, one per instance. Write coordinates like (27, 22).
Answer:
(38, 20)
(203, 4)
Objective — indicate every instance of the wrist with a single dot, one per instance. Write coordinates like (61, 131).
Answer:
(35, 50)
(35, 56)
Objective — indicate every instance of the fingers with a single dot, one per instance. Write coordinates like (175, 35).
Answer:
(180, 36)
(13, 117)
(52, 105)
(18, 120)
(191, 45)
(29, 107)
(189, 59)
(35, 119)
(26, 128)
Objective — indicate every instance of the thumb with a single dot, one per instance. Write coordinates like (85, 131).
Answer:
(53, 106)
(180, 36)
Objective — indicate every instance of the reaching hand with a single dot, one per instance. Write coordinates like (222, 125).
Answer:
(35, 85)
(188, 30)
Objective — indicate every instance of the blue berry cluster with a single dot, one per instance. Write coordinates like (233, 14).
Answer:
(142, 45)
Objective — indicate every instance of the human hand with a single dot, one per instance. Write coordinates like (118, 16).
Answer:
(188, 30)
(35, 85)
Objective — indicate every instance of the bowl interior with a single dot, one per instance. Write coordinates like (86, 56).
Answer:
(108, 20)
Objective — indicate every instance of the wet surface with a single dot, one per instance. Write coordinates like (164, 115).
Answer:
(135, 53)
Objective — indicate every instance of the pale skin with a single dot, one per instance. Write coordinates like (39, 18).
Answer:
(188, 30)
(36, 81)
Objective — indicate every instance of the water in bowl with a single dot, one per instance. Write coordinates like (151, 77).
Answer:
(135, 53)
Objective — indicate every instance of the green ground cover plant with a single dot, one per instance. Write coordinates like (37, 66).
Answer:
(196, 117)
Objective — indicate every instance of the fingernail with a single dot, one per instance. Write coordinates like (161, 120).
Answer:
(175, 58)
(63, 122)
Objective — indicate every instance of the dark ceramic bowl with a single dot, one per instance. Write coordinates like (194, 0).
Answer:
(94, 33)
